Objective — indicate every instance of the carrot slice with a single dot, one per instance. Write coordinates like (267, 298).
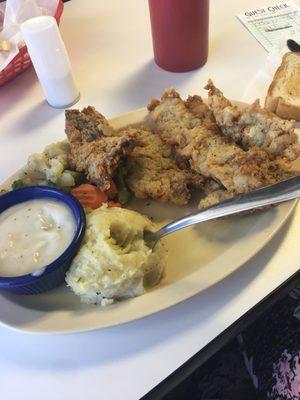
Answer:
(114, 204)
(112, 191)
(89, 195)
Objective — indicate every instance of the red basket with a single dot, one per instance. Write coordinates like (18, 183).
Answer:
(22, 60)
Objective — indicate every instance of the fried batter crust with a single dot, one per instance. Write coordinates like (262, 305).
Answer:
(208, 152)
(153, 173)
(96, 149)
(274, 171)
(254, 126)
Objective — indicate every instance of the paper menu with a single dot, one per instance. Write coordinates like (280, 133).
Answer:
(273, 24)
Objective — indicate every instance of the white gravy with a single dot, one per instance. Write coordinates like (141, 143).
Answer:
(32, 235)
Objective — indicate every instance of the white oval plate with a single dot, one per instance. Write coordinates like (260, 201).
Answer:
(198, 258)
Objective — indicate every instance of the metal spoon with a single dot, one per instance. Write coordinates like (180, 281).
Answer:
(273, 194)
(293, 45)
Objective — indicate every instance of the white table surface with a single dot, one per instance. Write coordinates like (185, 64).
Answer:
(110, 48)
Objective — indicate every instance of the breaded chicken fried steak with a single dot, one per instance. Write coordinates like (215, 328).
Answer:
(215, 148)
(153, 172)
(207, 151)
(254, 126)
(96, 148)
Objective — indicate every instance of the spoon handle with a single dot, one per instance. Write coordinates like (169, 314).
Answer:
(288, 189)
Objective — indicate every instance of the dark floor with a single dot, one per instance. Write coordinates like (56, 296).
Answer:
(225, 376)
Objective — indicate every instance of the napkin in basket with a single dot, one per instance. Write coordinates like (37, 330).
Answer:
(12, 14)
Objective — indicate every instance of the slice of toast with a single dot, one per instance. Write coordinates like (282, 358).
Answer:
(283, 96)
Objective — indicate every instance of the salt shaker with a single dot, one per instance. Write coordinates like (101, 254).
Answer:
(50, 60)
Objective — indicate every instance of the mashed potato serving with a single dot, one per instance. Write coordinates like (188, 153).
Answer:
(114, 262)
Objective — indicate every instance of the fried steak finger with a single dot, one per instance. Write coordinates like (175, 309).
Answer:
(153, 173)
(254, 126)
(96, 149)
(274, 171)
(207, 152)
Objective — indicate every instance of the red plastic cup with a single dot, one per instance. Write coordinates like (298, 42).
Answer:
(179, 33)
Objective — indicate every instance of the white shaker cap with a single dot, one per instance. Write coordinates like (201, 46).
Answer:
(50, 60)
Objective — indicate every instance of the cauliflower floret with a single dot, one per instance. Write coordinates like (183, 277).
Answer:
(56, 168)
(66, 179)
(36, 168)
(60, 151)
(50, 166)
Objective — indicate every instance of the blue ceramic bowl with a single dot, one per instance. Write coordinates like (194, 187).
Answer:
(54, 274)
